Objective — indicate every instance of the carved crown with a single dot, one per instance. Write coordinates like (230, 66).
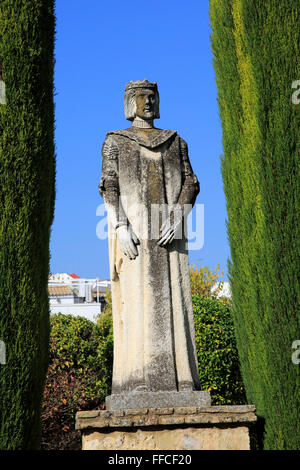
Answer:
(141, 84)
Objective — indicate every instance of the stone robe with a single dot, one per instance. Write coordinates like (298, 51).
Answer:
(154, 337)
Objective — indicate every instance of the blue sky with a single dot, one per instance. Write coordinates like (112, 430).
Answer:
(100, 46)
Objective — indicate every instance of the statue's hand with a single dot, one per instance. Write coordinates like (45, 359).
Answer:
(128, 241)
(169, 230)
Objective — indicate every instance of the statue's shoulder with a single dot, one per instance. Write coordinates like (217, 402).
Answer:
(167, 133)
(110, 134)
(116, 136)
(131, 131)
(112, 140)
(157, 137)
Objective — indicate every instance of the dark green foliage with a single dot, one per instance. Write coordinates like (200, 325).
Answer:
(106, 345)
(217, 353)
(79, 376)
(27, 179)
(256, 58)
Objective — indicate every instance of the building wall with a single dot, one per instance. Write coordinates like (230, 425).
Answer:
(89, 311)
(61, 299)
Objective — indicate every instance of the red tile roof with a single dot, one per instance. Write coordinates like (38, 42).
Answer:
(74, 276)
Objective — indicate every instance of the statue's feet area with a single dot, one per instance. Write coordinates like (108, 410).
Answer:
(185, 387)
(140, 388)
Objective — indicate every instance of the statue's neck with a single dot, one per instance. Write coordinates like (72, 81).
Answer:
(142, 123)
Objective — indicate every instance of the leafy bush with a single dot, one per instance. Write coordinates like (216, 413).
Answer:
(217, 353)
(79, 376)
(205, 282)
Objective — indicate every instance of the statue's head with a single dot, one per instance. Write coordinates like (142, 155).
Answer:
(141, 100)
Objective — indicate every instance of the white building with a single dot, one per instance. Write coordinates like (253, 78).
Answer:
(70, 294)
(63, 277)
(61, 295)
(225, 291)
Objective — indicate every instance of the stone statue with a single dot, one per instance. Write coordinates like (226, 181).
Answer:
(149, 187)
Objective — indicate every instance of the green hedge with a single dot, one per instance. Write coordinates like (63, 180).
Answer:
(79, 376)
(27, 179)
(217, 353)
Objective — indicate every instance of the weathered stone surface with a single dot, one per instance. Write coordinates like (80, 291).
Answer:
(158, 399)
(91, 414)
(167, 416)
(170, 420)
(134, 412)
(178, 439)
(147, 171)
(120, 422)
(228, 409)
(215, 428)
(161, 411)
(186, 410)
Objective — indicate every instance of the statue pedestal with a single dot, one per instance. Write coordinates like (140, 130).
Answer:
(125, 401)
(172, 428)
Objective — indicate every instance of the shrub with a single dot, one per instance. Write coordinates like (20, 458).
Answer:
(217, 353)
(205, 282)
(79, 376)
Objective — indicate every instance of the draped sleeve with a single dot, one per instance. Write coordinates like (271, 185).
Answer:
(190, 188)
(109, 183)
(109, 176)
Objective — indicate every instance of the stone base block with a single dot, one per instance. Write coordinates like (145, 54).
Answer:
(179, 428)
(157, 399)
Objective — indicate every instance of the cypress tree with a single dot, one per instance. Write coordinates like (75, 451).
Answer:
(27, 190)
(256, 59)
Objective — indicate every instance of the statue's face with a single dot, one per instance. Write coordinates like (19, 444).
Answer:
(145, 103)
